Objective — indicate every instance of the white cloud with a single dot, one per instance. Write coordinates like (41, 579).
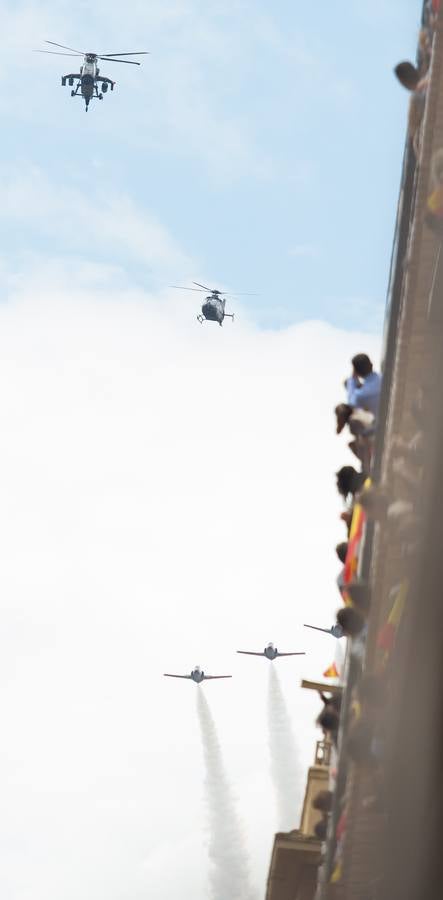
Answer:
(169, 497)
(105, 221)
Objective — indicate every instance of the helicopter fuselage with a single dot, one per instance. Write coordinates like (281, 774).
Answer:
(88, 80)
(89, 72)
(213, 309)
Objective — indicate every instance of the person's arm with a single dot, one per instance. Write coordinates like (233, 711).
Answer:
(352, 386)
(361, 393)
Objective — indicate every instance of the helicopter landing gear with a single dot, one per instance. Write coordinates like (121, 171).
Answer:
(71, 82)
(72, 93)
(100, 96)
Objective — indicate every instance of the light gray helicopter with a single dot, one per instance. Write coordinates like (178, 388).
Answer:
(335, 631)
(270, 652)
(88, 78)
(197, 675)
(213, 308)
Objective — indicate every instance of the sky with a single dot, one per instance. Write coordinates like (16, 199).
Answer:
(168, 493)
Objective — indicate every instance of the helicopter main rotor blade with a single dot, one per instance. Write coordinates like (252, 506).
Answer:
(134, 53)
(129, 62)
(57, 53)
(206, 288)
(81, 52)
(180, 287)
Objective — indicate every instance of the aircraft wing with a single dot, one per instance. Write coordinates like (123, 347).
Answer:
(292, 654)
(316, 628)
(250, 653)
(214, 677)
(168, 675)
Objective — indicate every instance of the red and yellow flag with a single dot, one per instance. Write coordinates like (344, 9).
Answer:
(331, 672)
(354, 539)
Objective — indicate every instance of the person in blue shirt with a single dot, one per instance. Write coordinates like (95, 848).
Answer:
(364, 385)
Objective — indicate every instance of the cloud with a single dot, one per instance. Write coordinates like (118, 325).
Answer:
(170, 497)
(105, 221)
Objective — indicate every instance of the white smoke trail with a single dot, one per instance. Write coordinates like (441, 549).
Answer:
(229, 873)
(285, 767)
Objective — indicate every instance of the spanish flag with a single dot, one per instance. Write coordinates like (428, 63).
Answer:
(354, 539)
(332, 672)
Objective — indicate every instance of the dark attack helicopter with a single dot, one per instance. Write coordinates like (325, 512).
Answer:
(88, 78)
(213, 308)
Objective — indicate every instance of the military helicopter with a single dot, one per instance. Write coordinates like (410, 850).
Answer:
(213, 308)
(88, 78)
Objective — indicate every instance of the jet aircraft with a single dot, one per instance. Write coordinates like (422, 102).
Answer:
(197, 675)
(335, 631)
(270, 652)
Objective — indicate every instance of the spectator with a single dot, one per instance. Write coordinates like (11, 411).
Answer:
(361, 425)
(341, 551)
(329, 721)
(360, 421)
(323, 801)
(364, 385)
(409, 76)
(321, 829)
(351, 621)
(349, 481)
(360, 596)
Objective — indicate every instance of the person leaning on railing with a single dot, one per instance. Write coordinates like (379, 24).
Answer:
(410, 78)
(364, 385)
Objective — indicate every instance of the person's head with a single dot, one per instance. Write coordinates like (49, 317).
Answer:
(351, 620)
(343, 413)
(329, 719)
(321, 829)
(360, 596)
(362, 365)
(348, 481)
(323, 801)
(341, 551)
(408, 75)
